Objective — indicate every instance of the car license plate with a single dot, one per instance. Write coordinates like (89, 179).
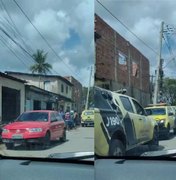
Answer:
(17, 136)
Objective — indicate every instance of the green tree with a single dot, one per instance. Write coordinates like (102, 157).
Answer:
(169, 90)
(91, 97)
(40, 66)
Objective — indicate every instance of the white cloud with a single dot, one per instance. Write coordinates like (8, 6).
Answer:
(144, 19)
(54, 19)
(54, 26)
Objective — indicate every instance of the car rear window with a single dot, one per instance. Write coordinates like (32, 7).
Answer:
(33, 116)
(88, 113)
(156, 111)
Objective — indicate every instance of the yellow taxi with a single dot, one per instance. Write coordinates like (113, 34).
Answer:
(164, 115)
(87, 118)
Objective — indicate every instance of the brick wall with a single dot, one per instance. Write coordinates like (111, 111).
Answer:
(105, 51)
(132, 74)
(76, 93)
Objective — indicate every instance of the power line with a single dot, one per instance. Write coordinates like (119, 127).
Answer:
(15, 42)
(169, 30)
(45, 40)
(19, 45)
(126, 27)
(3, 41)
(172, 59)
(168, 46)
(12, 24)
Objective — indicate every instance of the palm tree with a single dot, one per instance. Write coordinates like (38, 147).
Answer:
(40, 66)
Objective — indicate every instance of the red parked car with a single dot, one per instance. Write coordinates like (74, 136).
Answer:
(39, 126)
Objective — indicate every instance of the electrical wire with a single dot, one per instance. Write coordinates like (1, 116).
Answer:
(168, 46)
(45, 40)
(170, 50)
(127, 27)
(12, 24)
(4, 42)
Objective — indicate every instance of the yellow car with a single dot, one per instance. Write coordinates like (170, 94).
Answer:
(87, 118)
(164, 115)
(121, 124)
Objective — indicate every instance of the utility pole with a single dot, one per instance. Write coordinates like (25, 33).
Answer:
(88, 91)
(156, 90)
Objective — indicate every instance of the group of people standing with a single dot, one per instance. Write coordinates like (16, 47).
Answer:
(71, 119)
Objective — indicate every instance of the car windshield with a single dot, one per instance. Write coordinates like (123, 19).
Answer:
(135, 85)
(88, 113)
(46, 77)
(156, 111)
(34, 116)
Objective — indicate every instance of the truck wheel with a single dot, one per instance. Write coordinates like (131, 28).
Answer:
(46, 141)
(116, 148)
(154, 143)
(63, 138)
(174, 131)
(9, 145)
(168, 132)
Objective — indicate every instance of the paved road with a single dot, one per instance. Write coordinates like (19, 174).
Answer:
(163, 145)
(81, 139)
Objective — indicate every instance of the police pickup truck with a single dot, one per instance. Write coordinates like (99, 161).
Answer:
(121, 124)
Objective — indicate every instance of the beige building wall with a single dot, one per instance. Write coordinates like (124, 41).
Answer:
(13, 85)
(54, 84)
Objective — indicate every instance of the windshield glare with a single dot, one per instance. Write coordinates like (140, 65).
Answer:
(46, 77)
(33, 116)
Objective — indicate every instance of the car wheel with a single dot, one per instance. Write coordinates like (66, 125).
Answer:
(46, 141)
(9, 145)
(174, 131)
(116, 148)
(168, 132)
(154, 143)
(64, 137)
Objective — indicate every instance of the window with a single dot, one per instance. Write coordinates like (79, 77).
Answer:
(58, 117)
(156, 111)
(122, 59)
(139, 108)
(62, 88)
(47, 85)
(53, 117)
(33, 116)
(126, 103)
(105, 86)
(67, 89)
(135, 69)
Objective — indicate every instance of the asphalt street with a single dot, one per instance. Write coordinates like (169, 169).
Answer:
(78, 140)
(164, 144)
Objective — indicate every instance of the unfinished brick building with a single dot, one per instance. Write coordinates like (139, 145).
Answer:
(119, 64)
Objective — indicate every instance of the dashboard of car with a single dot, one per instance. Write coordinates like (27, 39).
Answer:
(123, 169)
(37, 169)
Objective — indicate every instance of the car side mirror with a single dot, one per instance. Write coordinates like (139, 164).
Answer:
(171, 114)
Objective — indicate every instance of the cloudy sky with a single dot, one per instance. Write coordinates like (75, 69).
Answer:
(144, 17)
(66, 25)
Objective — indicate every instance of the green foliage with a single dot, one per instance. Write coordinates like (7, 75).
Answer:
(169, 90)
(40, 66)
(91, 97)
